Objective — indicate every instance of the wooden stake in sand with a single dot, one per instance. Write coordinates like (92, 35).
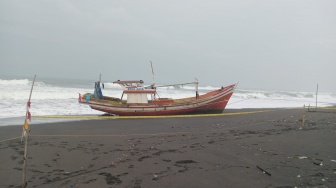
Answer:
(316, 97)
(303, 117)
(264, 171)
(25, 133)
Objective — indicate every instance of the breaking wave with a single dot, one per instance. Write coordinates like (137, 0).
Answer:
(60, 98)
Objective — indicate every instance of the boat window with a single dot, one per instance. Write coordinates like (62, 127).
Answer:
(137, 98)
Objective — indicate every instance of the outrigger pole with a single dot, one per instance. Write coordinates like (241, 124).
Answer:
(176, 84)
(25, 133)
(196, 82)
(196, 86)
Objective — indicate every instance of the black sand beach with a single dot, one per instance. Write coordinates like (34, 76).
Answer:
(265, 149)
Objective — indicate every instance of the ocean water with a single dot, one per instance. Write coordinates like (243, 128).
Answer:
(60, 97)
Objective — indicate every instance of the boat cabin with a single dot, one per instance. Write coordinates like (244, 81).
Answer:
(136, 92)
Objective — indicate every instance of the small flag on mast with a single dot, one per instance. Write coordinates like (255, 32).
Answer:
(26, 126)
(28, 116)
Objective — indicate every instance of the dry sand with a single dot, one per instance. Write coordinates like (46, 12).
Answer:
(220, 151)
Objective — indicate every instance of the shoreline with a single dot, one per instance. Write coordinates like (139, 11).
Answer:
(217, 151)
(40, 119)
(45, 119)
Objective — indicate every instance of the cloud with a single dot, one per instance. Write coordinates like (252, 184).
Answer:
(259, 43)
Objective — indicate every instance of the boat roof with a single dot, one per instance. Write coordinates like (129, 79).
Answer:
(128, 81)
(146, 91)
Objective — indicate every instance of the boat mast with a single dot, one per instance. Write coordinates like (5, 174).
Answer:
(153, 85)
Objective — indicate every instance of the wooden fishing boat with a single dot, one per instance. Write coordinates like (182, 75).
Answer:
(138, 100)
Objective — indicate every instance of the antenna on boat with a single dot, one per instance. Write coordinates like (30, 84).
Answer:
(152, 73)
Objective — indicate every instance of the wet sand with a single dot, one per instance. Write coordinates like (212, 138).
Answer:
(265, 149)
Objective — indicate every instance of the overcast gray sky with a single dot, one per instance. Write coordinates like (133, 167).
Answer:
(263, 44)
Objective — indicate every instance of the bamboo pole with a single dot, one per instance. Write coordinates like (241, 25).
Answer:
(26, 131)
(24, 176)
(27, 107)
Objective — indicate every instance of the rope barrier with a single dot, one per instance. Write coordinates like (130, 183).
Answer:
(125, 117)
(259, 123)
(114, 135)
(152, 134)
(162, 134)
(10, 139)
(146, 117)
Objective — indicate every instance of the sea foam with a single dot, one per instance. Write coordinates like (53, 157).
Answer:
(61, 98)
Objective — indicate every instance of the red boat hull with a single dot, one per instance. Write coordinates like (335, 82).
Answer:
(212, 102)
